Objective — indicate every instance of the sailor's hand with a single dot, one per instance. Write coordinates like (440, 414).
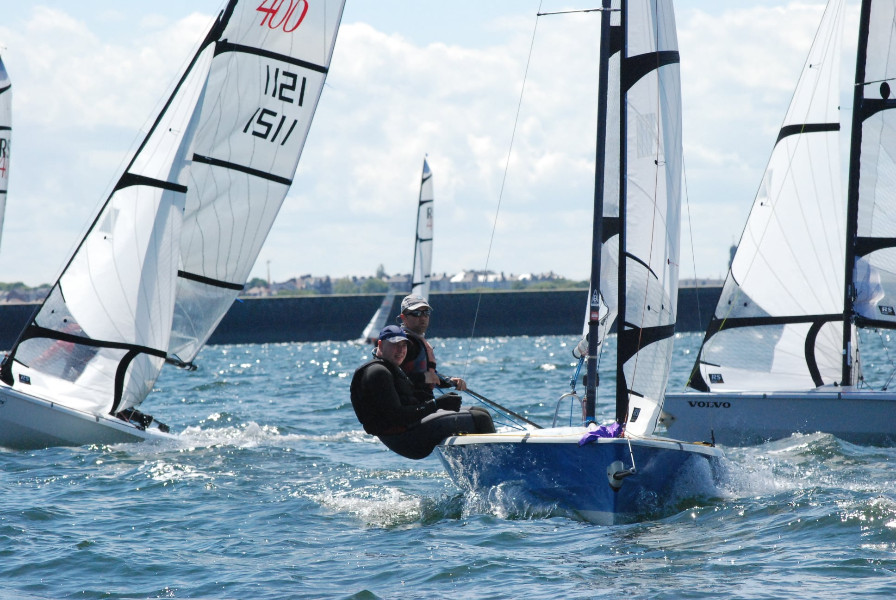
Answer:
(459, 383)
(448, 402)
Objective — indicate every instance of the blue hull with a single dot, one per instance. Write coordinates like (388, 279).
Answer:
(553, 468)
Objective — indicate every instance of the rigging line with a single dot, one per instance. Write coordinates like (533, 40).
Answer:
(864, 83)
(687, 205)
(503, 409)
(886, 385)
(581, 10)
(503, 182)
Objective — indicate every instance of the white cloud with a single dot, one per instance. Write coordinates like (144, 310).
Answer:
(400, 88)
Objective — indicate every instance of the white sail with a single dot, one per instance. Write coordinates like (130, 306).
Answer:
(422, 272)
(5, 136)
(644, 249)
(378, 320)
(246, 153)
(98, 342)
(873, 170)
(778, 323)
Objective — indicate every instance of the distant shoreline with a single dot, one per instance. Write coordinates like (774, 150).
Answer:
(314, 318)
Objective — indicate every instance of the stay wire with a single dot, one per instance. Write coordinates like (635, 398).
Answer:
(516, 120)
(495, 221)
(491, 240)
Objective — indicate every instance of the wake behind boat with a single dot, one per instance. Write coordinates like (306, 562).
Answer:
(175, 241)
(781, 354)
(604, 475)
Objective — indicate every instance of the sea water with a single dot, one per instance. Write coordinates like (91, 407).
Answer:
(270, 489)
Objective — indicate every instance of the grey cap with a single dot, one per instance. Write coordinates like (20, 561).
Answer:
(413, 303)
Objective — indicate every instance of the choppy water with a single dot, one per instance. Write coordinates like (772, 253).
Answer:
(271, 490)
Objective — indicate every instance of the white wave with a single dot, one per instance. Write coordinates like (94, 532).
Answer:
(376, 506)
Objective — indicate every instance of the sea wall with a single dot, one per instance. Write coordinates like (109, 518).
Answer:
(457, 314)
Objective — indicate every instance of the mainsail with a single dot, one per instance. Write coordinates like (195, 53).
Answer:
(638, 195)
(422, 272)
(5, 135)
(246, 153)
(778, 324)
(174, 242)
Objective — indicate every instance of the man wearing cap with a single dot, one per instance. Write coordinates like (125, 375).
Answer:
(420, 364)
(385, 404)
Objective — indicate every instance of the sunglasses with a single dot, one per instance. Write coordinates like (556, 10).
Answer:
(418, 313)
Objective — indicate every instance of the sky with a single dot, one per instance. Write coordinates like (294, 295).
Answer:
(510, 140)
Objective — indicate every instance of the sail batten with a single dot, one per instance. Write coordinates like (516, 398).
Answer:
(132, 179)
(209, 281)
(214, 162)
(225, 47)
(797, 129)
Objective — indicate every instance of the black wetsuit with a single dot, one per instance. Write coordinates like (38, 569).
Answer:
(385, 404)
(417, 363)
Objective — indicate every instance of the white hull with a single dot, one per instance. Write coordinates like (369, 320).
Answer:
(550, 465)
(27, 422)
(748, 418)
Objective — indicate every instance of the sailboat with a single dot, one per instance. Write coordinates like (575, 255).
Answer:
(421, 274)
(5, 135)
(174, 242)
(780, 354)
(615, 473)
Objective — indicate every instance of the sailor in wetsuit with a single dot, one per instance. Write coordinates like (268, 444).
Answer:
(385, 404)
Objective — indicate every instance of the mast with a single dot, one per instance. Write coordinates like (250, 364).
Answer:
(597, 229)
(852, 194)
(621, 384)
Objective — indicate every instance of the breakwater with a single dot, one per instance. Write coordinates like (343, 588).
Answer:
(456, 314)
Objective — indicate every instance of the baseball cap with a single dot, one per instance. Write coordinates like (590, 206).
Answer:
(413, 302)
(393, 334)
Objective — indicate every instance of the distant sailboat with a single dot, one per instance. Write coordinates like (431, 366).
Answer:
(780, 355)
(5, 136)
(616, 473)
(421, 274)
(174, 243)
